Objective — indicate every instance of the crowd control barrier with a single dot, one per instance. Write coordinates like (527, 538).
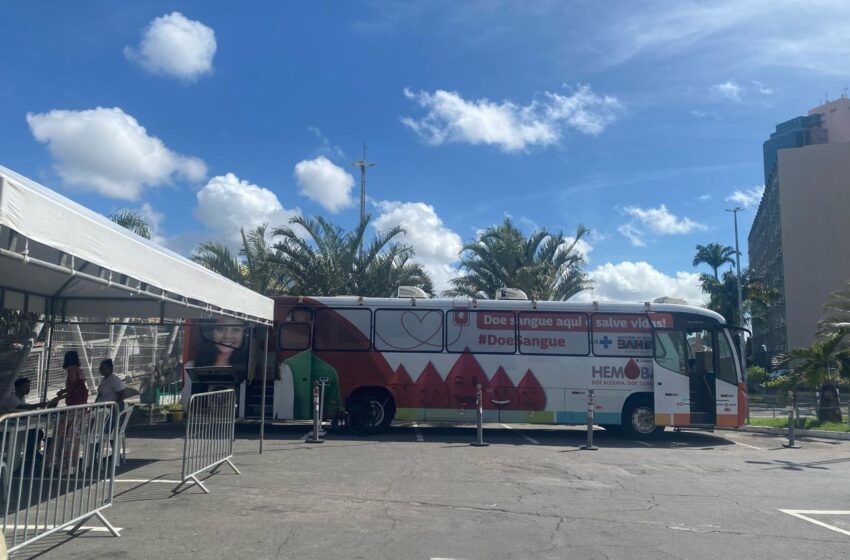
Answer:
(210, 429)
(57, 468)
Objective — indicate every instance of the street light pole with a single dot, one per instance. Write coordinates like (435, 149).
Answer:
(740, 299)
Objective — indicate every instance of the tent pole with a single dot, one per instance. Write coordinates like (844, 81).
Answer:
(49, 354)
(263, 396)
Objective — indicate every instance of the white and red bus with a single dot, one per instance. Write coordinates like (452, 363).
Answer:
(650, 365)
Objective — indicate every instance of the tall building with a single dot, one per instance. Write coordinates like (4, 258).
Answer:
(796, 243)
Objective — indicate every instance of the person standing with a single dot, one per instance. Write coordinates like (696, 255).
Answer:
(64, 447)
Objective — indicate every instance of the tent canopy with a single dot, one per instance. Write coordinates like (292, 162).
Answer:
(61, 258)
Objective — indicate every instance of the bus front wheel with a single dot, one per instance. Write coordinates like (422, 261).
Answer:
(370, 412)
(639, 420)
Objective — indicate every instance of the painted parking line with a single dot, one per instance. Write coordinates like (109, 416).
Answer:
(646, 443)
(805, 513)
(417, 433)
(745, 444)
(525, 437)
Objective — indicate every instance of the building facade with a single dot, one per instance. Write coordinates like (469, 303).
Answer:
(794, 244)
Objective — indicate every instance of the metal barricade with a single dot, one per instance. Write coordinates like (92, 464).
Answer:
(58, 470)
(210, 431)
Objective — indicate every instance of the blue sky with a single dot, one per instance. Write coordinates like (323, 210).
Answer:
(639, 123)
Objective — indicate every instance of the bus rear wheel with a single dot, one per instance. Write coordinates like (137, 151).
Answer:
(639, 420)
(370, 412)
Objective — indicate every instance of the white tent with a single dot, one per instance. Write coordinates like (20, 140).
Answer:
(62, 259)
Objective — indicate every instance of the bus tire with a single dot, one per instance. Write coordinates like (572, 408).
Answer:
(638, 421)
(370, 411)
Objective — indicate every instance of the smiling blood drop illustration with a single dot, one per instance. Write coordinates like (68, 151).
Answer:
(429, 391)
(401, 386)
(503, 394)
(462, 380)
(632, 369)
(531, 395)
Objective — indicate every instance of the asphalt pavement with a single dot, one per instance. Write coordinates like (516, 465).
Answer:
(422, 492)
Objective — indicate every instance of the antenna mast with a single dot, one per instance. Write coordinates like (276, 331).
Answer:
(362, 164)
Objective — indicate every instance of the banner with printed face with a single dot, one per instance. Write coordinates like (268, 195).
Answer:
(626, 334)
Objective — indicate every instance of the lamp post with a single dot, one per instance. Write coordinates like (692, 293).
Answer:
(740, 299)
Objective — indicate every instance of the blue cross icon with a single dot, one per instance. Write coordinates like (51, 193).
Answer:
(606, 342)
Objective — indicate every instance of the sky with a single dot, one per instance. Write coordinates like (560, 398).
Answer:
(644, 124)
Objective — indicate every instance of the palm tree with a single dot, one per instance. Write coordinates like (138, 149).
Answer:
(836, 312)
(327, 261)
(546, 266)
(723, 294)
(256, 266)
(714, 255)
(132, 220)
(819, 366)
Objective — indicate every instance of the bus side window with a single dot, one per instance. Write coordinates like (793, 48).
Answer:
(294, 336)
(726, 370)
(670, 351)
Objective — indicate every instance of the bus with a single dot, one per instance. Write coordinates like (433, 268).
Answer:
(416, 359)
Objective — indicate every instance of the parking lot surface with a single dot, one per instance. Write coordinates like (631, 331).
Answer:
(422, 492)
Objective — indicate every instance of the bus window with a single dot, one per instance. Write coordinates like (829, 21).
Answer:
(670, 351)
(343, 329)
(294, 336)
(726, 370)
(409, 330)
(484, 332)
(553, 333)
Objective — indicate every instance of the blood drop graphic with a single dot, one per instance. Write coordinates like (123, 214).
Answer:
(462, 380)
(429, 391)
(401, 386)
(632, 369)
(531, 394)
(502, 394)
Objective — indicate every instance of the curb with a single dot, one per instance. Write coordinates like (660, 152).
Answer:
(845, 436)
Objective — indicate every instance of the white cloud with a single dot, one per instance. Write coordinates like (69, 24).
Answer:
(752, 34)
(704, 197)
(762, 89)
(663, 222)
(638, 282)
(173, 45)
(699, 114)
(227, 203)
(747, 197)
(108, 152)
(437, 247)
(324, 182)
(727, 90)
(511, 127)
(633, 234)
(154, 218)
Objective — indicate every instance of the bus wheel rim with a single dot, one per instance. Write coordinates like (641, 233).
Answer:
(643, 420)
(377, 412)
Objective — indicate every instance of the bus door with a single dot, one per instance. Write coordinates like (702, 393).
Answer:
(696, 376)
(731, 393)
(684, 374)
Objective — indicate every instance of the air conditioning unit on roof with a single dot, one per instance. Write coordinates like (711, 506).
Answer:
(411, 292)
(510, 293)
